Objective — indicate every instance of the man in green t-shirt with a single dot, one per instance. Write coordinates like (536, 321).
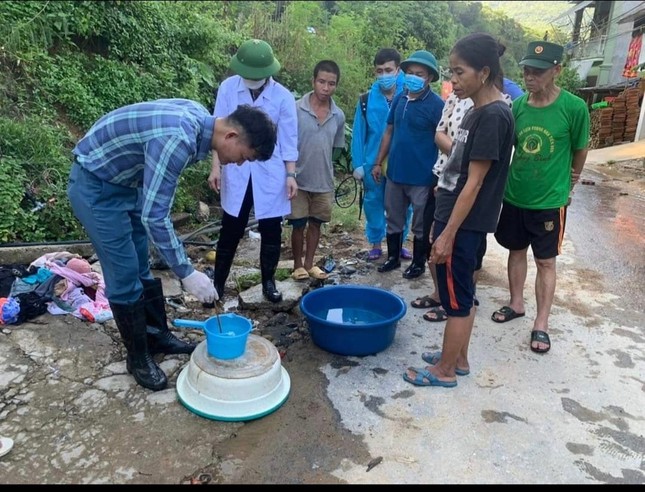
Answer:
(551, 139)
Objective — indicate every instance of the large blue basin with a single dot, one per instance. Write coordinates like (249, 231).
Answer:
(352, 319)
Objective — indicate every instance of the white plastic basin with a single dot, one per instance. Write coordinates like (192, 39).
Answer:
(244, 388)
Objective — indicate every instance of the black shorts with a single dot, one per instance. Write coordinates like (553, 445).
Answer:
(455, 277)
(481, 251)
(543, 230)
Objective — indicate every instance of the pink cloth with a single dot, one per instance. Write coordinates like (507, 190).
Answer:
(79, 265)
(76, 279)
(82, 307)
(60, 255)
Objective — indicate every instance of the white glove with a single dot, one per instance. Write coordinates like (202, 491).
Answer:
(199, 285)
(359, 173)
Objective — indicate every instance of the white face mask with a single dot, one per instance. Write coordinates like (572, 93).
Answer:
(253, 84)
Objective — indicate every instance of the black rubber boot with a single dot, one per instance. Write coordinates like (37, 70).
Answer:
(223, 262)
(393, 253)
(269, 258)
(131, 321)
(160, 339)
(418, 264)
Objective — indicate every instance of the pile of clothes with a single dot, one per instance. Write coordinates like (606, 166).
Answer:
(58, 283)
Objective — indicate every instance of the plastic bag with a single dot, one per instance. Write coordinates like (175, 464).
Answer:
(9, 310)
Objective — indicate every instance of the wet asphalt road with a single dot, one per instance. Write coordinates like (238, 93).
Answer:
(607, 221)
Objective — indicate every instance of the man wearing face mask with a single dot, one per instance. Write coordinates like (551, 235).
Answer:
(370, 119)
(408, 143)
(266, 186)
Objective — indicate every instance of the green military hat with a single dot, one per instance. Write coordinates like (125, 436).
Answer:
(425, 58)
(542, 55)
(254, 60)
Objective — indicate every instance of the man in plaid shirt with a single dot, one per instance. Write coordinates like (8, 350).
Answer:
(121, 187)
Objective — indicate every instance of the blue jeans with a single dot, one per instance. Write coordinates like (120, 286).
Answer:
(111, 216)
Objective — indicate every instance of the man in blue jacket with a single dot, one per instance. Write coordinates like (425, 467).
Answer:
(370, 120)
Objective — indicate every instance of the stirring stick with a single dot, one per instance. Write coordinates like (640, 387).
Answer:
(219, 323)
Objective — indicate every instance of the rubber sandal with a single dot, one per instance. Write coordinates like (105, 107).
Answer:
(438, 312)
(405, 254)
(300, 274)
(6, 443)
(540, 337)
(424, 302)
(374, 254)
(317, 273)
(506, 313)
(433, 357)
(423, 375)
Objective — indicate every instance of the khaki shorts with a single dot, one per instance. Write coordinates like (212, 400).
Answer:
(311, 205)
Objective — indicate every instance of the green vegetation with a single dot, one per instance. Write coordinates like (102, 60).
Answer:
(345, 219)
(569, 80)
(248, 280)
(530, 15)
(63, 64)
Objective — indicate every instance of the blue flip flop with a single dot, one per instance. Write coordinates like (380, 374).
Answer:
(433, 357)
(432, 380)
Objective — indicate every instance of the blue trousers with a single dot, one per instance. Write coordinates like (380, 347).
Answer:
(374, 208)
(111, 216)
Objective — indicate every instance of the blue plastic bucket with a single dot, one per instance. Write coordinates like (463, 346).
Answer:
(227, 344)
(353, 320)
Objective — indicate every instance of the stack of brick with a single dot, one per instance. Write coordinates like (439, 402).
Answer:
(618, 118)
(603, 124)
(632, 97)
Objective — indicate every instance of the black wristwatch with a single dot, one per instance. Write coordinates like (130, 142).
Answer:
(291, 175)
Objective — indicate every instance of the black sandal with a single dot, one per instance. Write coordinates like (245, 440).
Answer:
(505, 314)
(436, 313)
(540, 337)
(424, 302)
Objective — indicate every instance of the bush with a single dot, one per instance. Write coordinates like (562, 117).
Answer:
(569, 80)
(34, 166)
(73, 61)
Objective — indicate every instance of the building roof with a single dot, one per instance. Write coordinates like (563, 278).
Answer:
(610, 87)
(574, 9)
(632, 15)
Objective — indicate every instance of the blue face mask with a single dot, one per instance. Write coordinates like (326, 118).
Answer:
(386, 81)
(414, 83)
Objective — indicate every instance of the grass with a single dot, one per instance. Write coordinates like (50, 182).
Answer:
(342, 219)
(345, 219)
(248, 280)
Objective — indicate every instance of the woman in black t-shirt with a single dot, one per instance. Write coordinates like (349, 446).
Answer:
(468, 201)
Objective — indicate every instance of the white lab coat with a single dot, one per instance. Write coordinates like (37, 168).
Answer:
(269, 178)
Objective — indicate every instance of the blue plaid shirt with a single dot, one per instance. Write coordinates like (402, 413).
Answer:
(148, 145)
